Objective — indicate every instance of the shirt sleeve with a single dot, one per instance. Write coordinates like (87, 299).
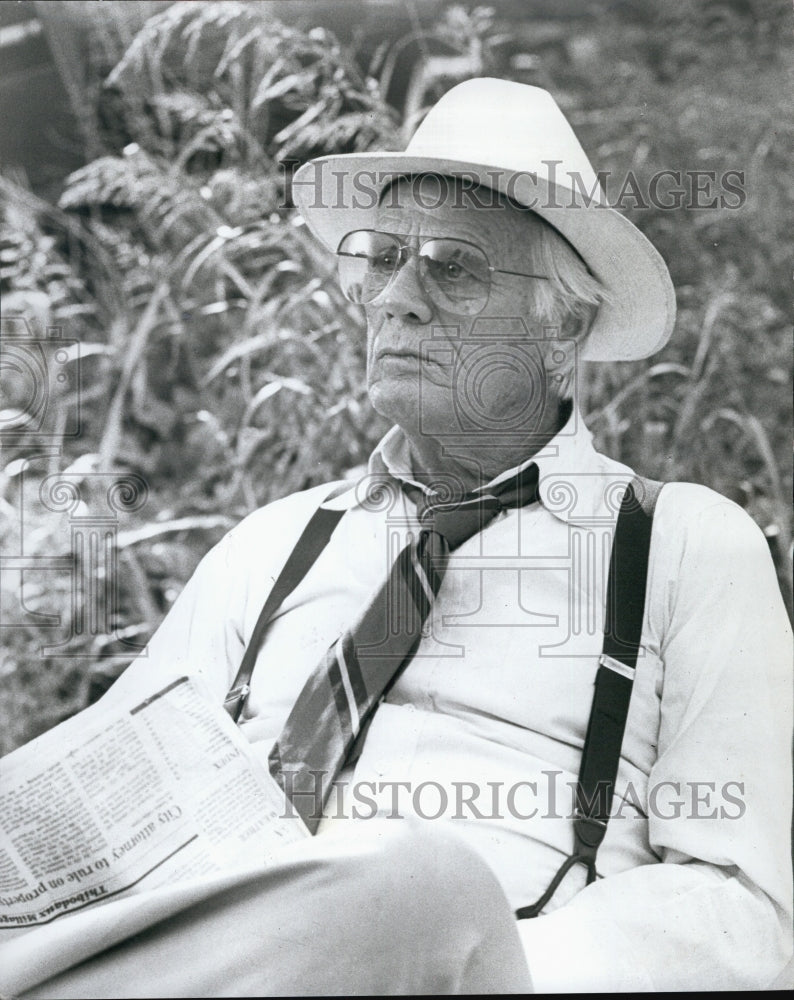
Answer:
(716, 912)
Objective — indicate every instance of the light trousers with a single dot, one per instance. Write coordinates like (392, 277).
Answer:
(381, 907)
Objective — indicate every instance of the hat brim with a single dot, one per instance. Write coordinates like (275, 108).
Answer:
(637, 317)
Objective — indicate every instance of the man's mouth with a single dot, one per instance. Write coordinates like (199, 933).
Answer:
(398, 355)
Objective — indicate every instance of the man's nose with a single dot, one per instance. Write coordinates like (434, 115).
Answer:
(405, 297)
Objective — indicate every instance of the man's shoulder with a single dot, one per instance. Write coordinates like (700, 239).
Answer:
(711, 572)
(258, 546)
(702, 532)
(684, 507)
(283, 520)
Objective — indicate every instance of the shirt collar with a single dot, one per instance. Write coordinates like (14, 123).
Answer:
(577, 484)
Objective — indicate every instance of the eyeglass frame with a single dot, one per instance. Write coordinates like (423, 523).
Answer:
(414, 252)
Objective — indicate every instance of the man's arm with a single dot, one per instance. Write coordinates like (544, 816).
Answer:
(716, 913)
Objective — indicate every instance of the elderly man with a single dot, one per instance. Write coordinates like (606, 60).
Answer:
(445, 670)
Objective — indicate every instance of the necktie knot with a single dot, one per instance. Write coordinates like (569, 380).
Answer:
(462, 518)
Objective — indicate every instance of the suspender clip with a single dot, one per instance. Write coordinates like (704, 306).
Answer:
(589, 832)
(616, 666)
(235, 700)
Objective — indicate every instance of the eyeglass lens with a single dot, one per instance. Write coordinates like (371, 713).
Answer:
(455, 274)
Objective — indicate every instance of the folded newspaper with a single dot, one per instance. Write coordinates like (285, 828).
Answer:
(130, 797)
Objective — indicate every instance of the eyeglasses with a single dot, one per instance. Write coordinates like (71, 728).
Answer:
(455, 274)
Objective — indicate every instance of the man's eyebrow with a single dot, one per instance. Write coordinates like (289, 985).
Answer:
(395, 225)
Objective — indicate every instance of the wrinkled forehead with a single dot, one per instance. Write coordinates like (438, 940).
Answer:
(437, 205)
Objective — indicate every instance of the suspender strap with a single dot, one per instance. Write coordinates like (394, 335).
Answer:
(628, 572)
(625, 610)
(309, 546)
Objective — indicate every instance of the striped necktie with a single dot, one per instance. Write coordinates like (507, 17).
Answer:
(342, 693)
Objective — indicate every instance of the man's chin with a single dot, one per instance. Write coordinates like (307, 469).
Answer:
(395, 396)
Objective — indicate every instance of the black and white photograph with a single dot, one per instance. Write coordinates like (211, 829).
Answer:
(395, 497)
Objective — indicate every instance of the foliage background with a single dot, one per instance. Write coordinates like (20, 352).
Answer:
(219, 362)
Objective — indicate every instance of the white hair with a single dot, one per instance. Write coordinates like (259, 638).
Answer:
(571, 295)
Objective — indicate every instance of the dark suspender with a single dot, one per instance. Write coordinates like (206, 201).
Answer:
(625, 608)
(308, 547)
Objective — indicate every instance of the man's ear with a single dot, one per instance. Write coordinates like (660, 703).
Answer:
(576, 327)
(578, 324)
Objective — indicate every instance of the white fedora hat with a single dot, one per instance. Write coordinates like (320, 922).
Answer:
(512, 138)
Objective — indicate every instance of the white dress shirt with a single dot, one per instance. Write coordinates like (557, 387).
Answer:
(484, 729)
